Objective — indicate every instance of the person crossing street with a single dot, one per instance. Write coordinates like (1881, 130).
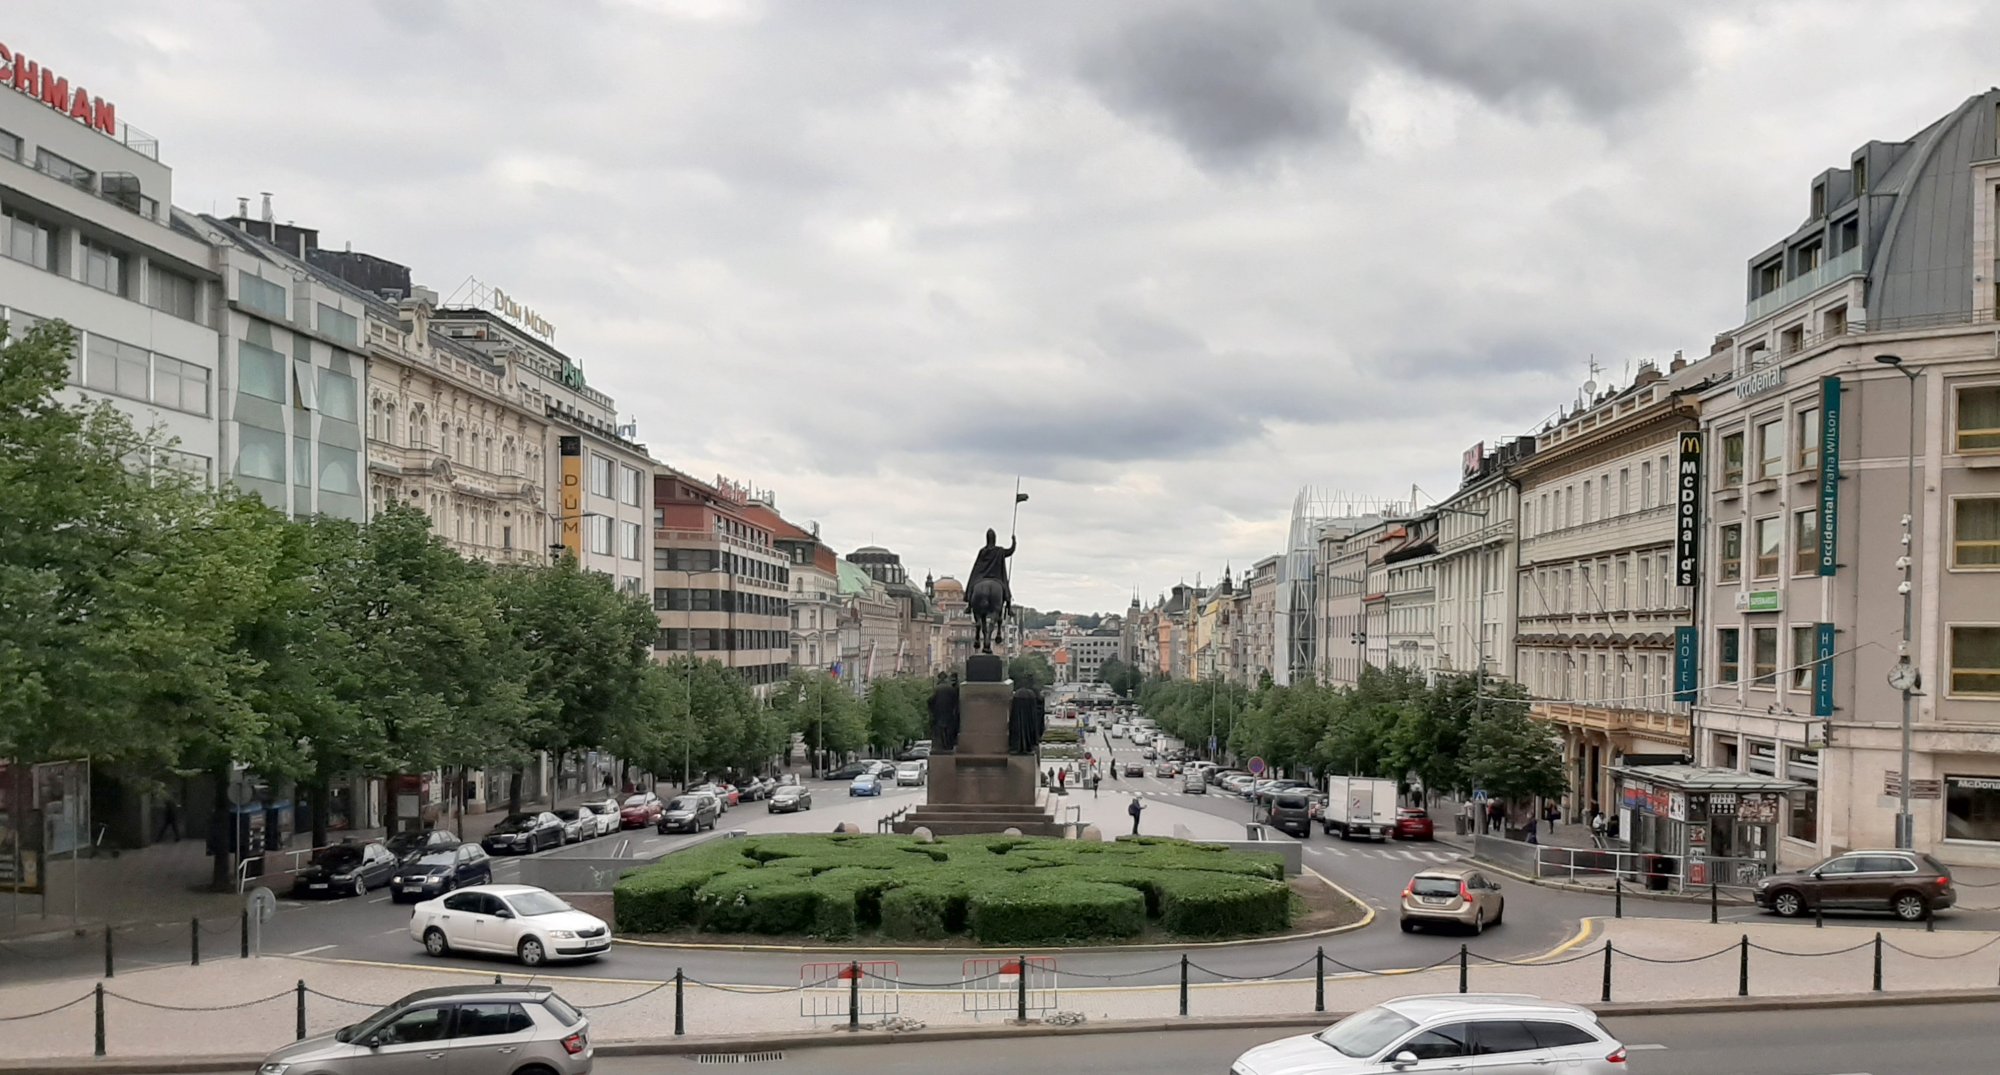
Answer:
(1138, 807)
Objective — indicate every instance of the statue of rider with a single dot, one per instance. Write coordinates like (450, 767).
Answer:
(991, 563)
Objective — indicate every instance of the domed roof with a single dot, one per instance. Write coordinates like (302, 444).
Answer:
(948, 584)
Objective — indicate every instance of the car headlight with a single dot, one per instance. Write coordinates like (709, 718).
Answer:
(1764, 883)
(563, 934)
(396, 880)
(274, 1067)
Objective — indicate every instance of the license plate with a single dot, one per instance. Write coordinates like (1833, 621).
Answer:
(1437, 899)
(316, 885)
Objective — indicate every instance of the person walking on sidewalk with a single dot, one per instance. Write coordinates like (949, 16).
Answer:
(170, 818)
(1062, 781)
(1135, 810)
(1096, 778)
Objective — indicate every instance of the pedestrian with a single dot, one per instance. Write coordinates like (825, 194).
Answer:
(1135, 809)
(1596, 826)
(1096, 778)
(1531, 830)
(170, 818)
(1470, 814)
(1553, 815)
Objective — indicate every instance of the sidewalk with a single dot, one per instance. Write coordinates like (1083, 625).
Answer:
(250, 1006)
(1107, 810)
(168, 882)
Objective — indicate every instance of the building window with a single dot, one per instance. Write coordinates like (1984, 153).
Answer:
(339, 470)
(1804, 656)
(1975, 661)
(1730, 568)
(10, 146)
(1729, 651)
(1972, 808)
(1770, 448)
(336, 395)
(1770, 542)
(110, 366)
(64, 169)
(260, 453)
(600, 535)
(1805, 542)
(339, 326)
(1764, 656)
(1805, 440)
(180, 385)
(1975, 532)
(260, 372)
(1732, 460)
(170, 292)
(260, 294)
(628, 490)
(1804, 822)
(1834, 321)
(600, 475)
(1979, 418)
(29, 241)
(103, 267)
(628, 540)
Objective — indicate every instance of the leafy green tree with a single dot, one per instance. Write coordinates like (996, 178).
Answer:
(1126, 680)
(1512, 756)
(1033, 671)
(897, 711)
(823, 712)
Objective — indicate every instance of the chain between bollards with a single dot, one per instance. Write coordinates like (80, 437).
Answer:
(1319, 980)
(1878, 962)
(100, 1020)
(1743, 966)
(854, 996)
(680, 1013)
(301, 1005)
(1184, 972)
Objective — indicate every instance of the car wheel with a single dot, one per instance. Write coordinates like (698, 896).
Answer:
(1787, 903)
(435, 943)
(1478, 923)
(1500, 914)
(1409, 926)
(1910, 906)
(360, 885)
(532, 953)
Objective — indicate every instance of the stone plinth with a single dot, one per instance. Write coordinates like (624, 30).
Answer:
(979, 787)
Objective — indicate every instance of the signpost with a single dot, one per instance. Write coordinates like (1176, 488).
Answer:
(1256, 767)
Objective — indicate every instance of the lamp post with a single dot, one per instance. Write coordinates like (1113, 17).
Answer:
(1903, 676)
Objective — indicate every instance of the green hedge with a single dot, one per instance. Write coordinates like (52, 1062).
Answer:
(1000, 890)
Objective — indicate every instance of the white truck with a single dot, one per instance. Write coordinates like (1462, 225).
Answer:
(1359, 807)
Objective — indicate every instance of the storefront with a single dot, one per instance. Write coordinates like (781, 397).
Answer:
(1697, 825)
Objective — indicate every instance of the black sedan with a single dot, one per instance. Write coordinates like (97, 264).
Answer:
(790, 799)
(408, 845)
(690, 813)
(345, 870)
(524, 834)
(434, 873)
(850, 771)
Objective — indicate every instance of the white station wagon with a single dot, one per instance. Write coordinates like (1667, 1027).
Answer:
(525, 922)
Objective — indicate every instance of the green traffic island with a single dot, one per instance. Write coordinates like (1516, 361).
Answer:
(986, 890)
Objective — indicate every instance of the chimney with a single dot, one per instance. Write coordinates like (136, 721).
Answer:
(267, 206)
(242, 208)
(1679, 363)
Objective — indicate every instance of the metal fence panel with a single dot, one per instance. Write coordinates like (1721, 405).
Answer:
(829, 990)
(994, 985)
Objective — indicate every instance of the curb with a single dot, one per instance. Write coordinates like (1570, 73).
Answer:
(820, 1039)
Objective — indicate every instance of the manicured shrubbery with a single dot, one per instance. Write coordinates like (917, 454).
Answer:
(1000, 890)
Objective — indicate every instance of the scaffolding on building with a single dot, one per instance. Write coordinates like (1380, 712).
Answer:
(1314, 510)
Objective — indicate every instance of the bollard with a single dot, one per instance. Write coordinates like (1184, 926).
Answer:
(1878, 962)
(246, 933)
(107, 951)
(1021, 990)
(1184, 968)
(194, 942)
(854, 996)
(1319, 980)
(1743, 967)
(1713, 908)
(680, 1016)
(1930, 921)
(1618, 896)
(1819, 915)
(301, 992)
(100, 1020)
(1607, 972)
(1461, 969)
(497, 981)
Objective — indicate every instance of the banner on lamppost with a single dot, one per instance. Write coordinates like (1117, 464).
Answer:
(1687, 512)
(1686, 664)
(1829, 471)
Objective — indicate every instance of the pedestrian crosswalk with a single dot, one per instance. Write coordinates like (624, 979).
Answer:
(1425, 855)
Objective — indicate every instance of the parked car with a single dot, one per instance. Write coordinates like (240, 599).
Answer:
(1414, 824)
(500, 1028)
(865, 784)
(1290, 812)
(1134, 768)
(759, 787)
(917, 751)
(1454, 897)
(851, 770)
(576, 825)
(1169, 768)
(724, 794)
(1908, 884)
(345, 870)
(408, 845)
(1193, 784)
(528, 923)
(790, 799)
(524, 834)
(639, 811)
(603, 815)
(690, 813)
(911, 774)
(1496, 1033)
(437, 872)
(885, 771)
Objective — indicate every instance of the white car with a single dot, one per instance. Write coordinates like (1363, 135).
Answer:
(910, 774)
(525, 922)
(1447, 1032)
(604, 812)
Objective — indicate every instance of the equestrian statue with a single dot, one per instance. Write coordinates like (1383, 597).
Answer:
(987, 593)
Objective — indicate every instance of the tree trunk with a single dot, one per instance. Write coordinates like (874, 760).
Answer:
(514, 779)
(389, 817)
(223, 858)
(321, 800)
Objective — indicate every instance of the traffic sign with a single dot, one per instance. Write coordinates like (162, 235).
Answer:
(1479, 795)
(1256, 767)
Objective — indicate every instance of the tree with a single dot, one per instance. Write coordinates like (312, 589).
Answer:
(1511, 756)
(1125, 680)
(823, 712)
(898, 711)
(1033, 671)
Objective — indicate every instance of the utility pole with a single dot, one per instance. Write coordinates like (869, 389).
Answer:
(1903, 676)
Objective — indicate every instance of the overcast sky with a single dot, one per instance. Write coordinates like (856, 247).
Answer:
(1166, 262)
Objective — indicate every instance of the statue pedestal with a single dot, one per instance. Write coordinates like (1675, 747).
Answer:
(980, 787)
(985, 668)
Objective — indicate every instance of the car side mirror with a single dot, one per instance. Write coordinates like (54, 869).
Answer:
(1814, 874)
(503, 913)
(1403, 1059)
(1494, 885)
(374, 1041)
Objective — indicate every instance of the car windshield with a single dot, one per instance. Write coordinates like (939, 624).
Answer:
(1366, 1033)
(568, 815)
(436, 859)
(1291, 802)
(787, 792)
(636, 800)
(1417, 815)
(338, 858)
(530, 904)
(1435, 886)
(685, 805)
(515, 823)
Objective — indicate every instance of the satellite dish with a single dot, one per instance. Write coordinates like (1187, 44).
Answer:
(261, 904)
(1590, 387)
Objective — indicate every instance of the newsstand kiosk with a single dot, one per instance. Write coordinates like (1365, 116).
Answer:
(1691, 826)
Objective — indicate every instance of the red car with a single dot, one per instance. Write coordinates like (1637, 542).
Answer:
(1413, 824)
(640, 811)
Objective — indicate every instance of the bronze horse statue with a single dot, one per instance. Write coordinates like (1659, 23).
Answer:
(987, 595)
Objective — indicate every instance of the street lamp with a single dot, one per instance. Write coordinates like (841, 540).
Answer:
(1903, 677)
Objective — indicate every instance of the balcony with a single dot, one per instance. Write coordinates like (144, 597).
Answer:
(1612, 721)
(1793, 290)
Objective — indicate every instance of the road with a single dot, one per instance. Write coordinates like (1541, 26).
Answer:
(1847, 1041)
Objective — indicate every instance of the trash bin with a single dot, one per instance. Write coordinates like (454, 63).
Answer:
(1659, 872)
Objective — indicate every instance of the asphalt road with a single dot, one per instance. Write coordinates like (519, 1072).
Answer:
(1884, 1040)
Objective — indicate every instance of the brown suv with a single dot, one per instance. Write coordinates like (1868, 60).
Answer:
(1909, 884)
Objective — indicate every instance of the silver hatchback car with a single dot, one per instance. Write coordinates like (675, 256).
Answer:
(484, 1028)
(1481, 1032)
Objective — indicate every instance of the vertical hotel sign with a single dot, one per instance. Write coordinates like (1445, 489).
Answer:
(1686, 663)
(572, 495)
(1822, 677)
(1829, 472)
(1687, 512)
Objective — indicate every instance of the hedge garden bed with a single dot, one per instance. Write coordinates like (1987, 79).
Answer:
(992, 890)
